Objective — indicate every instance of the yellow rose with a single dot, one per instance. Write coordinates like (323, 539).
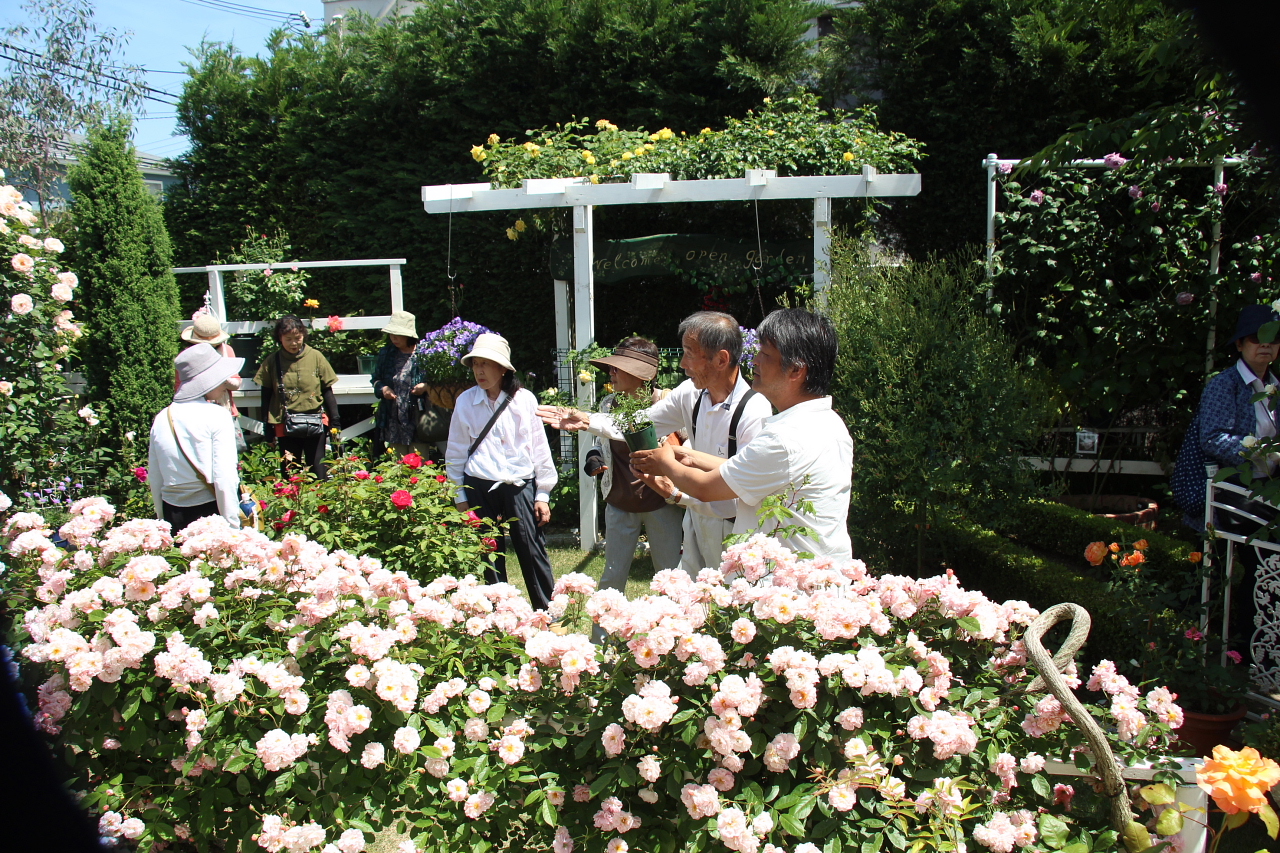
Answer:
(595, 179)
(648, 146)
(520, 226)
(311, 303)
(639, 151)
(706, 130)
(602, 124)
(666, 133)
(533, 149)
(511, 234)
(626, 155)
(493, 139)
(768, 133)
(585, 376)
(653, 137)
(478, 153)
(848, 155)
(589, 157)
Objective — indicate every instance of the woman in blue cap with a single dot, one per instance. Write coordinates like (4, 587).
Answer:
(1228, 414)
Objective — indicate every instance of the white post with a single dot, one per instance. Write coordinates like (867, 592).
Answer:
(821, 249)
(1214, 247)
(397, 289)
(584, 309)
(219, 306)
(990, 163)
(564, 332)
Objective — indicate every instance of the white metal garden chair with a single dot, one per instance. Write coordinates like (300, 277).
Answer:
(1228, 506)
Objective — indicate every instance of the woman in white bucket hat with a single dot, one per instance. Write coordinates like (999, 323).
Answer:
(191, 464)
(205, 329)
(499, 458)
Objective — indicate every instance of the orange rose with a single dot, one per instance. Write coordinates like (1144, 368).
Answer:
(1115, 547)
(1238, 781)
(1141, 545)
(1095, 553)
(1133, 559)
(1195, 557)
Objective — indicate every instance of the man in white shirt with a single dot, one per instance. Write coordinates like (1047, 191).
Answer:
(703, 407)
(804, 452)
(191, 465)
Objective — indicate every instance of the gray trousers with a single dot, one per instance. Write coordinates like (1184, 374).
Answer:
(622, 532)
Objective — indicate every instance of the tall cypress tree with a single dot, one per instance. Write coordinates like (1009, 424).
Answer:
(129, 294)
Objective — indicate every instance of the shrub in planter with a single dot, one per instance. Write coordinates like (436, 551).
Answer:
(225, 689)
(399, 509)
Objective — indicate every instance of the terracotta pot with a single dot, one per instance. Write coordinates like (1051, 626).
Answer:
(1202, 732)
(1131, 509)
(445, 395)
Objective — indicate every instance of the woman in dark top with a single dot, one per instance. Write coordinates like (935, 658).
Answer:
(308, 386)
(397, 380)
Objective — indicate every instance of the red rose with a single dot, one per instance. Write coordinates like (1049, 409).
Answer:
(263, 505)
(362, 475)
(288, 516)
(278, 525)
(377, 478)
(473, 519)
(413, 460)
(413, 481)
(401, 498)
(440, 478)
(323, 508)
(490, 544)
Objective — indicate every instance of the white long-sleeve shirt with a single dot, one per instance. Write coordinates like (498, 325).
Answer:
(208, 435)
(675, 412)
(514, 451)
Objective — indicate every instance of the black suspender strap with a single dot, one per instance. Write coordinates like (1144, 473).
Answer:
(737, 416)
(733, 422)
(484, 433)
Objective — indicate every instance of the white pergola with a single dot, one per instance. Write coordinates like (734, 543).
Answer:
(582, 195)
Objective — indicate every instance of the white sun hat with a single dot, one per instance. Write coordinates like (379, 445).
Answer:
(201, 370)
(490, 346)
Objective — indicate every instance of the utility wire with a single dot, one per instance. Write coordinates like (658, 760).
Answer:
(92, 81)
(244, 11)
(48, 67)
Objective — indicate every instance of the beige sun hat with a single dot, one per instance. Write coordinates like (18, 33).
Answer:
(402, 323)
(205, 329)
(490, 346)
(639, 364)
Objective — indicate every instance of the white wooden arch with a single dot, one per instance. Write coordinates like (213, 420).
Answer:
(582, 195)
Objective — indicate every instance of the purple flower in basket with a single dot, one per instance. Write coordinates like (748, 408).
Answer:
(438, 352)
(750, 346)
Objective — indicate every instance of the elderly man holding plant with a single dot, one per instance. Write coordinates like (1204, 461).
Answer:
(804, 452)
(714, 407)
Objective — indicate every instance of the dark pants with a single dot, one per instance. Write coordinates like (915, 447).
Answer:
(516, 504)
(180, 516)
(308, 450)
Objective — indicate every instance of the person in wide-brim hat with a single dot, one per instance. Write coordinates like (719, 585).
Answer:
(490, 346)
(397, 379)
(191, 458)
(639, 364)
(204, 329)
(402, 323)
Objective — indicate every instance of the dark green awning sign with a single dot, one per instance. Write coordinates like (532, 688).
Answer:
(666, 254)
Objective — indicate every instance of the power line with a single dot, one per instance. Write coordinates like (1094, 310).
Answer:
(92, 81)
(49, 67)
(244, 11)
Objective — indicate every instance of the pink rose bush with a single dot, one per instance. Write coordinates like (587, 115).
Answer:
(223, 686)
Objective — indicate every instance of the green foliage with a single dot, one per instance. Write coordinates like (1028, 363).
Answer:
(64, 74)
(1103, 276)
(400, 511)
(939, 411)
(331, 140)
(969, 77)
(793, 136)
(49, 437)
(264, 294)
(130, 297)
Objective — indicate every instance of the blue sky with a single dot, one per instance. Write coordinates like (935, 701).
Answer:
(164, 31)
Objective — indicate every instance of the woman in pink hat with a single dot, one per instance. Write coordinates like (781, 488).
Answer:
(499, 458)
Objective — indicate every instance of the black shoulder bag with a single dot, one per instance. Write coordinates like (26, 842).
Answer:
(296, 425)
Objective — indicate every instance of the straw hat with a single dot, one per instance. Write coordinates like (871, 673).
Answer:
(639, 364)
(204, 329)
(201, 370)
(401, 323)
(490, 346)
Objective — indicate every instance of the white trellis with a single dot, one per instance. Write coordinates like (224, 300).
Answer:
(582, 196)
(354, 389)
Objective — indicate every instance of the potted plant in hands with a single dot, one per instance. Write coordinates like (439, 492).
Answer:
(631, 415)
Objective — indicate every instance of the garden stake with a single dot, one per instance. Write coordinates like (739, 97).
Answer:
(1135, 835)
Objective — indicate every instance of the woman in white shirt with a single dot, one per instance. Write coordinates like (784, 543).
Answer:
(499, 458)
(191, 464)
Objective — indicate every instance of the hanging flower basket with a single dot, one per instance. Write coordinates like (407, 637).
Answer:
(445, 394)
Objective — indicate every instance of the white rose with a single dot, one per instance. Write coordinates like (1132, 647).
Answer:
(1249, 441)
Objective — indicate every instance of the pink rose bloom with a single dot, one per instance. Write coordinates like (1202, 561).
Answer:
(563, 842)
(23, 262)
(68, 278)
(1220, 189)
(1135, 192)
(61, 292)
(1114, 161)
(406, 740)
(335, 323)
(21, 303)
(141, 474)
(1037, 196)
(743, 630)
(53, 244)
(6, 388)
(374, 754)
(1155, 205)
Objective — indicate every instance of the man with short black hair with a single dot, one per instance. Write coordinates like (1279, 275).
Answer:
(804, 452)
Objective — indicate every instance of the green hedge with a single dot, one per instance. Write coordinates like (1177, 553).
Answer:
(1002, 569)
